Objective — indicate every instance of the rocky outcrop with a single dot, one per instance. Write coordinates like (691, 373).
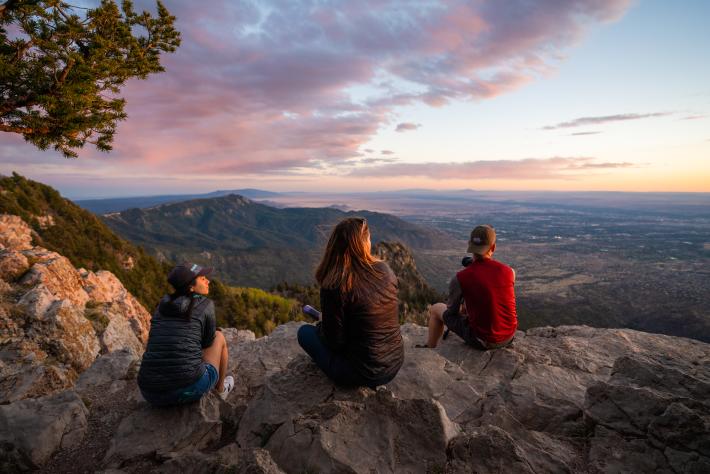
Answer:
(32, 430)
(57, 275)
(150, 431)
(105, 289)
(564, 399)
(108, 369)
(54, 319)
(15, 234)
(559, 400)
(415, 294)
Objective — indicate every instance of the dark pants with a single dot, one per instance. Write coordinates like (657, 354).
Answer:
(458, 323)
(335, 366)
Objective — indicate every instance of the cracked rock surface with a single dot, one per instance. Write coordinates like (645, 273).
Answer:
(565, 399)
(562, 399)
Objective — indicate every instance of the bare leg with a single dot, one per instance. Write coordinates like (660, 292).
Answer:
(223, 367)
(436, 324)
(217, 355)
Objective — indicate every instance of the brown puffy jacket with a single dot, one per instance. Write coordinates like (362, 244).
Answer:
(365, 329)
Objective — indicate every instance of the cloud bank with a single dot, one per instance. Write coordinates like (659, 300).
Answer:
(527, 169)
(263, 87)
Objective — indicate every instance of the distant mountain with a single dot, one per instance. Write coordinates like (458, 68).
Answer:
(250, 243)
(414, 293)
(103, 206)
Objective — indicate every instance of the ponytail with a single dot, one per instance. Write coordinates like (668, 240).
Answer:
(185, 291)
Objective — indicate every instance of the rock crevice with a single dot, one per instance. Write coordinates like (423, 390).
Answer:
(563, 399)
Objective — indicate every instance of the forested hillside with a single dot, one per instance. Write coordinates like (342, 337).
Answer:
(63, 227)
(83, 238)
(252, 308)
(252, 244)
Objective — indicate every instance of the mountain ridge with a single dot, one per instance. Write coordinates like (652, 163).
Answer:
(249, 243)
(107, 205)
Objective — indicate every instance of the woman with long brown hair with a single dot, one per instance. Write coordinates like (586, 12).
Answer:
(358, 341)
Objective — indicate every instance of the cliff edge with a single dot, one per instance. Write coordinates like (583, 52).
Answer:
(563, 399)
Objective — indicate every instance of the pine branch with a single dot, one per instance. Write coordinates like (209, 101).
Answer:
(65, 73)
(22, 130)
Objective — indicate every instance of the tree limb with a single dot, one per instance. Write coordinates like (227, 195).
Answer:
(22, 130)
(65, 72)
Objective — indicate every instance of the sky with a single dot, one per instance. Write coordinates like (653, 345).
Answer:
(369, 95)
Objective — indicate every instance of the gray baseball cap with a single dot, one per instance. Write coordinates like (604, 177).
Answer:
(482, 238)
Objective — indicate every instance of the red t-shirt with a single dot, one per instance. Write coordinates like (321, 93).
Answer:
(487, 287)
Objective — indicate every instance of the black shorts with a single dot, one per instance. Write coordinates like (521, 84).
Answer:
(458, 323)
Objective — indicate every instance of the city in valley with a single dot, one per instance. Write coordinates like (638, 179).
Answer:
(636, 260)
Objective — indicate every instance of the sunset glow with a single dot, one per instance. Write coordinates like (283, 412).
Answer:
(383, 95)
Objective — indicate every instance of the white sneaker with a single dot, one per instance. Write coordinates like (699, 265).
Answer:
(228, 387)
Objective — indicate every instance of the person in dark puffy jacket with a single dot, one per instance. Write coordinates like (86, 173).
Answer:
(186, 356)
(358, 341)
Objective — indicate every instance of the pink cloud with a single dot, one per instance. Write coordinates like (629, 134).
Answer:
(264, 87)
(528, 168)
(406, 126)
(583, 121)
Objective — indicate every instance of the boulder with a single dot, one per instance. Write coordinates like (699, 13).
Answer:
(59, 277)
(653, 416)
(113, 327)
(35, 302)
(379, 433)
(66, 334)
(160, 431)
(427, 375)
(104, 287)
(294, 390)
(25, 373)
(31, 430)
(16, 234)
(254, 361)
(114, 366)
(13, 264)
(491, 449)
(227, 460)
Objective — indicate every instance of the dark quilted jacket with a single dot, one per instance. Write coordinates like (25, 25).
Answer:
(366, 329)
(173, 356)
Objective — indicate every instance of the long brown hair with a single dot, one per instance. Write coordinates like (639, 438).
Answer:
(347, 263)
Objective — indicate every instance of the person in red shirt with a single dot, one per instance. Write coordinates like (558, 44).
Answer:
(481, 303)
